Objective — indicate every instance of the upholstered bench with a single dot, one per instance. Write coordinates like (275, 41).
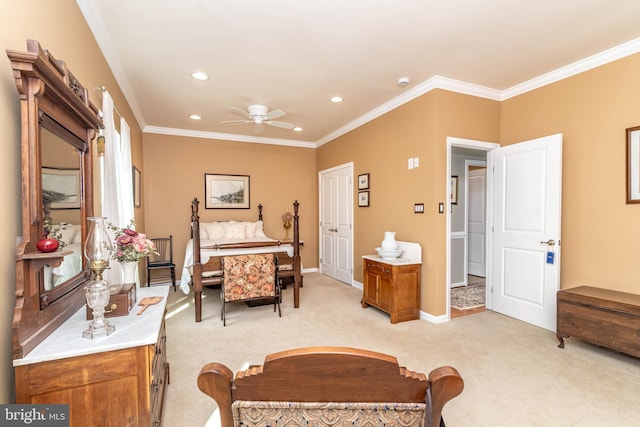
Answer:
(323, 386)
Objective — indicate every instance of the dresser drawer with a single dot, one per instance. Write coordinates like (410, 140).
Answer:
(378, 268)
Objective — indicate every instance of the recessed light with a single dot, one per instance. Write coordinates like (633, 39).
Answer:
(199, 75)
(195, 117)
(336, 99)
(297, 129)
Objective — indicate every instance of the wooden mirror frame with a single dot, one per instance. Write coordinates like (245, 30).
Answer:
(51, 97)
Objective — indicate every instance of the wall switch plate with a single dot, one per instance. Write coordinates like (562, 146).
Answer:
(410, 163)
(418, 208)
(441, 207)
(416, 162)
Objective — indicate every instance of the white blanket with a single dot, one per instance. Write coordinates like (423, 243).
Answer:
(70, 266)
(207, 251)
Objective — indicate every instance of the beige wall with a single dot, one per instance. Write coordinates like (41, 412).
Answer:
(59, 27)
(601, 243)
(382, 147)
(600, 233)
(174, 169)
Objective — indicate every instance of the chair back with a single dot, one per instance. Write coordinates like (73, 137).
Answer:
(249, 276)
(164, 251)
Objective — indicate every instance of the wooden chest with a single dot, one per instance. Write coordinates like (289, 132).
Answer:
(600, 316)
(120, 304)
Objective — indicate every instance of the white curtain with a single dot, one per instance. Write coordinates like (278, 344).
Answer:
(117, 182)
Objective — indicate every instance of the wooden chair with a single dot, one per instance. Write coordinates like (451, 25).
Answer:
(346, 385)
(249, 278)
(163, 260)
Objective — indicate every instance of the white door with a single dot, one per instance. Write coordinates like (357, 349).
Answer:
(527, 183)
(336, 205)
(476, 221)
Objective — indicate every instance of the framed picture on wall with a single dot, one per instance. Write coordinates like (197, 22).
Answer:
(226, 191)
(363, 181)
(633, 165)
(363, 199)
(454, 189)
(61, 188)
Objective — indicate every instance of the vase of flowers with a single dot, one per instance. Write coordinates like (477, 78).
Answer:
(286, 223)
(129, 248)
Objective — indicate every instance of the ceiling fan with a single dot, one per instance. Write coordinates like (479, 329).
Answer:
(259, 115)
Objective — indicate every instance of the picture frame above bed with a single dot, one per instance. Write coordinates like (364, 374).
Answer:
(227, 191)
(62, 187)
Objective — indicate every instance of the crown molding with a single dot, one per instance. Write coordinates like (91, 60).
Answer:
(227, 137)
(593, 61)
(96, 25)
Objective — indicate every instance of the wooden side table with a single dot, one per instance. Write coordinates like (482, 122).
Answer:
(393, 286)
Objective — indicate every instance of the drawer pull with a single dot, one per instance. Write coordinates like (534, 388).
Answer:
(112, 308)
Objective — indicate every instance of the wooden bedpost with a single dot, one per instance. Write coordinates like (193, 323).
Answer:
(196, 276)
(296, 257)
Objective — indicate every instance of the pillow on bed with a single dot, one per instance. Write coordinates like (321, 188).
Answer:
(259, 229)
(233, 231)
(214, 230)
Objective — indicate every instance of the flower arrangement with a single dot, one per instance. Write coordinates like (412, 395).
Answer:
(52, 231)
(130, 246)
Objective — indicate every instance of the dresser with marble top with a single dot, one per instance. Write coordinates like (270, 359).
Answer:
(115, 380)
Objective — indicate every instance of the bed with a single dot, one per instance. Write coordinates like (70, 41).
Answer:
(71, 265)
(211, 241)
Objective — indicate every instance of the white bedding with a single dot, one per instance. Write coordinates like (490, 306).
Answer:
(207, 251)
(69, 267)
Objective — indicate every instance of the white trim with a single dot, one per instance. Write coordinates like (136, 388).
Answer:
(227, 136)
(91, 14)
(586, 64)
(476, 145)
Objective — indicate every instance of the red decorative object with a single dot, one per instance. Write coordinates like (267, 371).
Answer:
(47, 245)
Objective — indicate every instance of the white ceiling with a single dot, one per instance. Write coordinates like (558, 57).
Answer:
(294, 55)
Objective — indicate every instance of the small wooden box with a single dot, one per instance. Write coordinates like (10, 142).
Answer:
(120, 304)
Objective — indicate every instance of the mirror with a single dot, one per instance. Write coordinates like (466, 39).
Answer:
(58, 126)
(61, 186)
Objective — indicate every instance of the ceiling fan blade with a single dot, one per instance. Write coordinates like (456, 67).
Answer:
(241, 111)
(236, 121)
(284, 125)
(274, 114)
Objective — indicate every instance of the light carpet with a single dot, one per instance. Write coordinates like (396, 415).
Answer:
(514, 373)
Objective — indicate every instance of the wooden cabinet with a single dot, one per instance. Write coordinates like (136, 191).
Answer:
(122, 386)
(600, 316)
(392, 286)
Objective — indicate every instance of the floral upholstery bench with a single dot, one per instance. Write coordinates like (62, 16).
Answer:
(329, 386)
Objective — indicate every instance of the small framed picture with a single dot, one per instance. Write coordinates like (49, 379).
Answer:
(363, 181)
(363, 199)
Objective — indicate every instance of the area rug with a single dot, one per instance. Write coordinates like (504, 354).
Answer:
(466, 297)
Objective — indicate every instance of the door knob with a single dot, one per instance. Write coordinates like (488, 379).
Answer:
(550, 242)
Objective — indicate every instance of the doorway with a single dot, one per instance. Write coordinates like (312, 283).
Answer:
(336, 219)
(466, 218)
(524, 203)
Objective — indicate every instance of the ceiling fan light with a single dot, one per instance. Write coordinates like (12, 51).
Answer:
(297, 129)
(199, 75)
(336, 99)
(195, 117)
